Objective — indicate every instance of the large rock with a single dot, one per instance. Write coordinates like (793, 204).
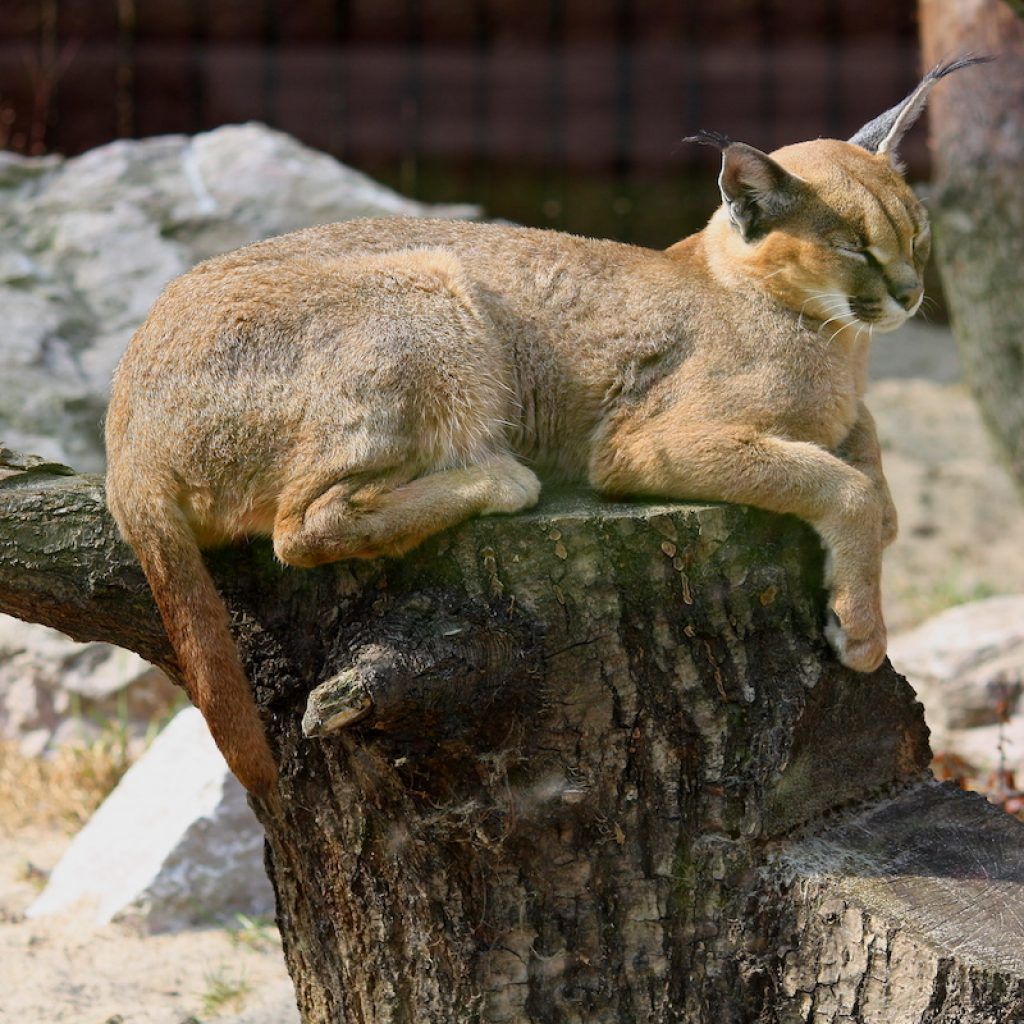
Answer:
(87, 244)
(174, 845)
(967, 666)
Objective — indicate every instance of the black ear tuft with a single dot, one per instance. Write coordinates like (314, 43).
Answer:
(944, 68)
(883, 134)
(709, 138)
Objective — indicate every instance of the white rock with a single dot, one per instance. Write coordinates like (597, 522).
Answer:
(37, 319)
(987, 749)
(175, 844)
(967, 666)
(966, 660)
(98, 362)
(249, 172)
(119, 260)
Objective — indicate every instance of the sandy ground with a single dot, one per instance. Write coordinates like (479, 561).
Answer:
(62, 970)
(961, 517)
(962, 536)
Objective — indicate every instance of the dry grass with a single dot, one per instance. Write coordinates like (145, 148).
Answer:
(224, 992)
(255, 933)
(61, 791)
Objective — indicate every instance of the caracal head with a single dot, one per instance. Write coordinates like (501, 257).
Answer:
(830, 229)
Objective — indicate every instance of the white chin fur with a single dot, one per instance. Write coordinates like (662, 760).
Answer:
(889, 324)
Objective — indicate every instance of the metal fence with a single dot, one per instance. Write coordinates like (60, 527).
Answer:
(561, 112)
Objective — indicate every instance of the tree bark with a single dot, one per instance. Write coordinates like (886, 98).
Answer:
(977, 143)
(593, 763)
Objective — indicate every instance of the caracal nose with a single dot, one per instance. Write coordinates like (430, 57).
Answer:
(908, 296)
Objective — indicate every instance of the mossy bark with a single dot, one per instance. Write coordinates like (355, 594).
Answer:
(604, 769)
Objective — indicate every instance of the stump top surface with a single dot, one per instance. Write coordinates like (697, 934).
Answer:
(580, 503)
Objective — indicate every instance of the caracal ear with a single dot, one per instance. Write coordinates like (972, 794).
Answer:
(757, 192)
(883, 134)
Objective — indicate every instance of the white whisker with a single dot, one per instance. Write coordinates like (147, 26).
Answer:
(840, 331)
(833, 303)
(839, 309)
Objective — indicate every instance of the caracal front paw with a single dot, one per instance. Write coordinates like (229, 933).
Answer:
(857, 634)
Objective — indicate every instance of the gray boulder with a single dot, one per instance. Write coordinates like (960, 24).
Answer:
(87, 244)
(54, 691)
(175, 844)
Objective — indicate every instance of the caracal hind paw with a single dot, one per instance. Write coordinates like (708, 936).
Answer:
(518, 488)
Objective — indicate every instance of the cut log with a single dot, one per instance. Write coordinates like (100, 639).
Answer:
(592, 763)
(909, 910)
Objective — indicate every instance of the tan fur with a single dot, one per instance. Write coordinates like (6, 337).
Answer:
(353, 388)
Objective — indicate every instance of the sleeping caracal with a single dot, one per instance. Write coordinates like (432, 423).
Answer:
(354, 388)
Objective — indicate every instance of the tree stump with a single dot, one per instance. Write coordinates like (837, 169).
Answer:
(592, 763)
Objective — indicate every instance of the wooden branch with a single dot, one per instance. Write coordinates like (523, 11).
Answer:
(460, 666)
(63, 564)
